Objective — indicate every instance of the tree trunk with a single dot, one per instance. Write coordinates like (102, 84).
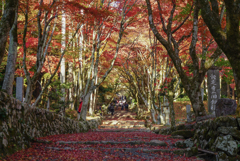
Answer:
(29, 91)
(83, 114)
(160, 111)
(153, 115)
(149, 92)
(95, 99)
(2, 7)
(228, 40)
(70, 79)
(233, 94)
(91, 104)
(63, 69)
(95, 96)
(6, 23)
(223, 88)
(138, 108)
(12, 57)
(196, 100)
(48, 104)
(170, 99)
(237, 81)
(228, 91)
(91, 100)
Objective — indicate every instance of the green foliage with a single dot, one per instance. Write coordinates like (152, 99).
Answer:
(185, 11)
(228, 74)
(103, 91)
(3, 114)
(185, 98)
(55, 93)
(21, 121)
(1, 76)
(134, 101)
(71, 114)
(223, 96)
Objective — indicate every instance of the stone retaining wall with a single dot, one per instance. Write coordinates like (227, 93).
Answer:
(20, 124)
(220, 135)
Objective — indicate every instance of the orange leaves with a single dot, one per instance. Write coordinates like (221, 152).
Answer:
(108, 55)
(165, 55)
(32, 42)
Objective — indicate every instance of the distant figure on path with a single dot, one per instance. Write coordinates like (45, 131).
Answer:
(100, 109)
(126, 106)
(117, 104)
(80, 105)
(79, 108)
(122, 105)
(111, 108)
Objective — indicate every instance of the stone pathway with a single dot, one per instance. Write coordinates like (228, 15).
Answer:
(120, 137)
(122, 120)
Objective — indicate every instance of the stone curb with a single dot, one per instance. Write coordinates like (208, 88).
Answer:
(123, 130)
(174, 151)
(152, 142)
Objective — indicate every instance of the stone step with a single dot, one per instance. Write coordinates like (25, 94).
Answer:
(187, 152)
(121, 125)
(110, 127)
(123, 130)
(122, 149)
(152, 142)
(122, 122)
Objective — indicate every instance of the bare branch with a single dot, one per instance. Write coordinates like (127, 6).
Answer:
(182, 22)
(160, 14)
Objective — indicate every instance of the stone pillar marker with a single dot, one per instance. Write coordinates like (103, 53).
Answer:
(188, 107)
(213, 84)
(19, 88)
(202, 93)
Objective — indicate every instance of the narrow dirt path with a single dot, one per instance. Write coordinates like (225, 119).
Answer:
(120, 137)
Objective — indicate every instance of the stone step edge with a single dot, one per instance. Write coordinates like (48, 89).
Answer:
(42, 141)
(151, 142)
(174, 151)
(123, 130)
(125, 149)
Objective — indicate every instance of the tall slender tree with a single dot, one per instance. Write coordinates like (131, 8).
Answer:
(227, 36)
(6, 23)
(12, 57)
(63, 68)
(172, 41)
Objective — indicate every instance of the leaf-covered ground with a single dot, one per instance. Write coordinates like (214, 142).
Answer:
(76, 151)
(80, 146)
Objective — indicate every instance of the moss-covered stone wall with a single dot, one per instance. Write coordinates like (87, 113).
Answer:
(220, 135)
(21, 123)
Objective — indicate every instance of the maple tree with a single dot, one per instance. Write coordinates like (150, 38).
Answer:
(124, 12)
(12, 53)
(90, 34)
(45, 35)
(6, 23)
(226, 35)
(144, 75)
(171, 38)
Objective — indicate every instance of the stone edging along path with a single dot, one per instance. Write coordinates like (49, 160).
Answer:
(152, 142)
(122, 130)
(188, 151)
(22, 123)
